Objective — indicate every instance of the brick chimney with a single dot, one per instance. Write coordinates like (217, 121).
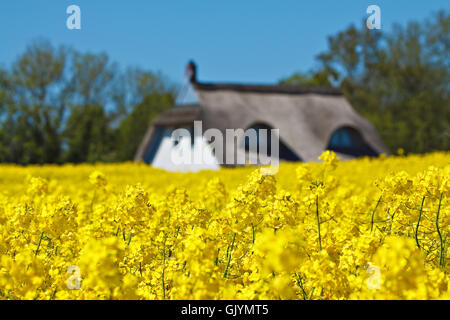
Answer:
(191, 71)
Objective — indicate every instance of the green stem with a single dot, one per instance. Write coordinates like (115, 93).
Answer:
(164, 267)
(53, 293)
(93, 200)
(444, 254)
(217, 257)
(373, 214)
(318, 222)
(300, 284)
(253, 234)
(418, 223)
(39, 244)
(312, 292)
(225, 273)
(441, 252)
(163, 285)
(129, 240)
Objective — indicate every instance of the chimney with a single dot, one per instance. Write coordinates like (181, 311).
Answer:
(191, 71)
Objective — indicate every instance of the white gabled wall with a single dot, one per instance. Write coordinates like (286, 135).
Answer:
(184, 156)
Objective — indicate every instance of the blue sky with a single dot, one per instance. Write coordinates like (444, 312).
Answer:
(233, 40)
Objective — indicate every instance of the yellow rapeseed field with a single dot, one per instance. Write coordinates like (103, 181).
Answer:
(361, 229)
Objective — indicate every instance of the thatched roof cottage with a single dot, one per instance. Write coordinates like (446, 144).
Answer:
(310, 120)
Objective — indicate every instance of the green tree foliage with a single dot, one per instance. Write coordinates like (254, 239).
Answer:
(311, 79)
(141, 96)
(88, 135)
(59, 105)
(5, 101)
(133, 128)
(92, 78)
(36, 112)
(399, 80)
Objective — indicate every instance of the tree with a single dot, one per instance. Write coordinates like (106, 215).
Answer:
(36, 111)
(57, 104)
(134, 85)
(140, 96)
(92, 79)
(399, 81)
(132, 129)
(5, 102)
(311, 79)
(88, 135)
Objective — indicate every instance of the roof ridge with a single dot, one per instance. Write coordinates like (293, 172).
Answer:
(267, 88)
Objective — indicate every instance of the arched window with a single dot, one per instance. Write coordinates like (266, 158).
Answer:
(263, 142)
(349, 141)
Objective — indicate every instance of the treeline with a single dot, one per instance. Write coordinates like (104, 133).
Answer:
(60, 105)
(400, 80)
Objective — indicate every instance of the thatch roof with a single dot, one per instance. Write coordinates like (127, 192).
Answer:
(263, 88)
(306, 117)
(179, 116)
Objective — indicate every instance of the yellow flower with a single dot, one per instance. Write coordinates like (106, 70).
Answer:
(329, 158)
(369, 228)
(98, 179)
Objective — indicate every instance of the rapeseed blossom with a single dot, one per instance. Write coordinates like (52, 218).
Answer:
(372, 228)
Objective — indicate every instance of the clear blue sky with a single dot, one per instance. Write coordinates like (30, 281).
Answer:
(231, 40)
